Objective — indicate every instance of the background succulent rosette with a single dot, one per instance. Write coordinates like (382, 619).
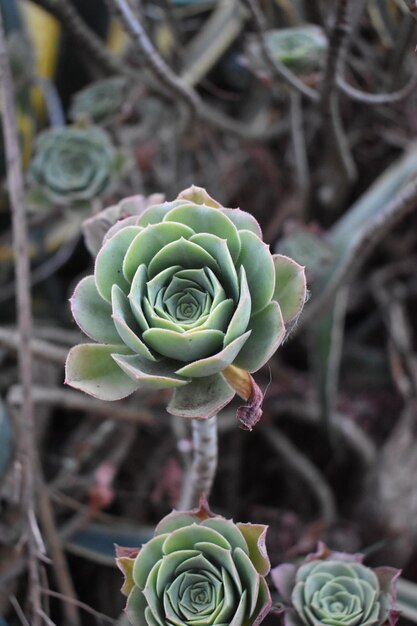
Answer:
(72, 166)
(101, 102)
(178, 296)
(199, 569)
(336, 589)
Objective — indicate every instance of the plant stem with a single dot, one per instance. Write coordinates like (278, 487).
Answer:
(199, 478)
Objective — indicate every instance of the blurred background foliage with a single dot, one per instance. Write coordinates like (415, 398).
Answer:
(302, 112)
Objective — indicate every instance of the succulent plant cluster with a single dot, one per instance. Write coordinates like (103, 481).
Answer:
(336, 589)
(72, 166)
(199, 569)
(179, 294)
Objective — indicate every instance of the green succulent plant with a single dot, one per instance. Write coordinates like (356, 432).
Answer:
(336, 589)
(180, 295)
(199, 569)
(300, 48)
(73, 166)
(100, 102)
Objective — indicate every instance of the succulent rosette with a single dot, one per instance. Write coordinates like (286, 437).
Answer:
(301, 48)
(73, 165)
(100, 102)
(336, 589)
(199, 569)
(180, 296)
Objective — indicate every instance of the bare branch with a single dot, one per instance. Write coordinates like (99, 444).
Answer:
(26, 440)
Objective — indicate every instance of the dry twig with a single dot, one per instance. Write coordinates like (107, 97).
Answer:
(26, 453)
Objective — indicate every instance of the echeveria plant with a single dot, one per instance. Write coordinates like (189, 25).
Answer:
(336, 589)
(73, 165)
(100, 102)
(183, 297)
(199, 569)
(301, 48)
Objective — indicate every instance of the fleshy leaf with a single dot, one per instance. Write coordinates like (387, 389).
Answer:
(268, 331)
(283, 577)
(229, 530)
(150, 241)
(126, 324)
(150, 554)
(155, 213)
(290, 287)
(259, 266)
(198, 195)
(149, 375)
(205, 219)
(217, 363)
(92, 313)
(264, 603)
(135, 608)
(125, 563)
(108, 269)
(187, 346)
(91, 369)
(243, 220)
(254, 535)
(201, 398)
(240, 320)
(191, 255)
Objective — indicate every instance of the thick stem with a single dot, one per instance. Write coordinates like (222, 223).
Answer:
(199, 479)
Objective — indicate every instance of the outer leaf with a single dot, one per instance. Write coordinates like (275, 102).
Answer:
(229, 530)
(268, 331)
(217, 363)
(150, 554)
(290, 286)
(254, 535)
(243, 220)
(92, 313)
(198, 195)
(155, 213)
(135, 608)
(260, 272)
(91, 369)
(202, 398)
(148, 374)
(264, 603)
(108, 269)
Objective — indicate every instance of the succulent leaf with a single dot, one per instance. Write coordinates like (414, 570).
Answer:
(188, 289)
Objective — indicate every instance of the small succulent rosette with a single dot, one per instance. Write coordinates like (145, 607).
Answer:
(72, 167)
(199, 569)
(101, 102)
(336, 589)
(187, 297)
(302, 49)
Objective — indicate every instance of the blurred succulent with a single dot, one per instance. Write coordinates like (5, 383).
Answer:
(186, 298)
(301, 48)
(100, 102)
(199, 569)
(73, 165)
(106, 223)
(336, 589)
